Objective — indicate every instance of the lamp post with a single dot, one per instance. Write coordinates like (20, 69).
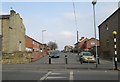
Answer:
(43, 36)
(94, 2)
(43, 39)
(77, 44)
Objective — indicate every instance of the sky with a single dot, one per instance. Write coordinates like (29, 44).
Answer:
(58, 19)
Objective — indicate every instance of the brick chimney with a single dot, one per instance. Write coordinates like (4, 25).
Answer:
(82, 38)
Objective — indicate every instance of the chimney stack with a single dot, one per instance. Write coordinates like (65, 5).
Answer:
(12, 12)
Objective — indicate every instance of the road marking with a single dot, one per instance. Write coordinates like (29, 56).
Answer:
(105, 71)
(55, 73)
(52, 62)
(71, 75)
(55, 77)
(45, 76)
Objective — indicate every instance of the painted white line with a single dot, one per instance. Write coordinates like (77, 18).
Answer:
(71, 75)
(45, 76)
(52, 62)
(55, 77)
(55, 73)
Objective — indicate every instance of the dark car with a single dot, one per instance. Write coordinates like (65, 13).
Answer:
(55, 54)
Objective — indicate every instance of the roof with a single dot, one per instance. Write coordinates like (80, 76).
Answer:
(33, 39)
(92, 38)
(4, 16)
(109, 17)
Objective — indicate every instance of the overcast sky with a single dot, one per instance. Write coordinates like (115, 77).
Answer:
(57, 18)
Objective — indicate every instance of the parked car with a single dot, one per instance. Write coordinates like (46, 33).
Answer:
(87, 57)
(55, 54)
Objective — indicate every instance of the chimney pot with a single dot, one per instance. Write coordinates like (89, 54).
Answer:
(12, 12)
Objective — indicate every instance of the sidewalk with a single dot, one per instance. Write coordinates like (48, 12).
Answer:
(38, 55)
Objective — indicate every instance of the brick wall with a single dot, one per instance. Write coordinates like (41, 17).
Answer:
(106, 37)
(28, 42)
(91, 42)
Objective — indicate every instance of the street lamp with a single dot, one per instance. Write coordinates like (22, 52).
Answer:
(43, 39)
(94, 2)
(43, 36)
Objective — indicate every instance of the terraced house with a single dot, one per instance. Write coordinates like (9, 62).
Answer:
(12, 33)
(112, 23)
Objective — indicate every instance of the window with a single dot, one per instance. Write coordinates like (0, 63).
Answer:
(107, 43)
(33, 42)
(106, 27)
(10, 28)
(93, 43)
(20, 42)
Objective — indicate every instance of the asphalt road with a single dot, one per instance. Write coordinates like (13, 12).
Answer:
(58, 70)
(60, 75)
(59, 63)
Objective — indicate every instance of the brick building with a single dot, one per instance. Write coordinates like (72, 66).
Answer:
(86, 44)
(91, 43)
(38, 49)
(112, 23)
(12, 33)
(32, 45)
(82, 42)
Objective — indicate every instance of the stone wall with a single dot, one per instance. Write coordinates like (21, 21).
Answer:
(13, 33)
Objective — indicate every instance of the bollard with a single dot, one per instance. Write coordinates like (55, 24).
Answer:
(49, 60)
(98, 60)
(66, 59)
(81, 59)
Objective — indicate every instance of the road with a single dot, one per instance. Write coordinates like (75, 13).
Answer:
(61, 75)
(58, 70)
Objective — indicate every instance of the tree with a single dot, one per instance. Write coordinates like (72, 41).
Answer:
(52, 45)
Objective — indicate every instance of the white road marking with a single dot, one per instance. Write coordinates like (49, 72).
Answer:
(52, 61)
(55, 77)
(71, 75)
(105, 71)
(45, 76)
(56, 73)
